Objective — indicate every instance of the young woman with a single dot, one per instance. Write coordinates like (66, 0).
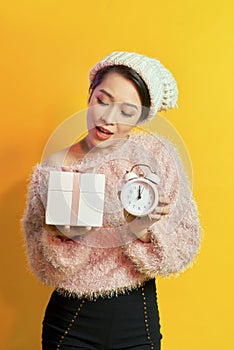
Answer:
(104, 277)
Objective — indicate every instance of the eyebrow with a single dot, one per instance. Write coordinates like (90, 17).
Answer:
(112, 98)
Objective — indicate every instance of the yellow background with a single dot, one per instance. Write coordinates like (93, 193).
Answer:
(47, 49)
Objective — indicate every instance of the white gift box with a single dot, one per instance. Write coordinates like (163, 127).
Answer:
(75, 199)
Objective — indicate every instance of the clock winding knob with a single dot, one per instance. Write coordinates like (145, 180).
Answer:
(154, 178)
(130, 176)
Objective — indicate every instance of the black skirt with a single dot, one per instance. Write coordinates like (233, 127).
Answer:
(128, 321)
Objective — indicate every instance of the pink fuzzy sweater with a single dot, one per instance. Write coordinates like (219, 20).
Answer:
(109, 260)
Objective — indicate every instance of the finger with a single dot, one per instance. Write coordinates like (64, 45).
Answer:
(52, 229)
(56, 231)
(163, 210)
(167, 200)
(65, 230)
(162, 199)
(73, 231)
(66, 168)
(154, 216)
(128, 217)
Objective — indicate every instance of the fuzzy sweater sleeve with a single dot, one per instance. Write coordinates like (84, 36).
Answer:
(50, 259)
(175, 239)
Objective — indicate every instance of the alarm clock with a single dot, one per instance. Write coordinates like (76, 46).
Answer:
(139, 195)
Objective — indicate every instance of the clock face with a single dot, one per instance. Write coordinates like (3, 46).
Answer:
(139, 197)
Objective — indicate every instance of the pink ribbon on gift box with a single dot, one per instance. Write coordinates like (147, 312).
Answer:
(75, 199)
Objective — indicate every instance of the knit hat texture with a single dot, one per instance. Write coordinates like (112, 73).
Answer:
(161, 84)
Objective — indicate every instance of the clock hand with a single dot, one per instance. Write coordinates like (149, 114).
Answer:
(139, 192)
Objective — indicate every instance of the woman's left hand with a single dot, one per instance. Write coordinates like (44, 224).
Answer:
(139, 225)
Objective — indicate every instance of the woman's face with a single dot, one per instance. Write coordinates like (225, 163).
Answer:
(114, 109)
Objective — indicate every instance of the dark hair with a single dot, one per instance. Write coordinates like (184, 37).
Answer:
(129, 74)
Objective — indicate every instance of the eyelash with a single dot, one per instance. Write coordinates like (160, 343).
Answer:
(101, 102)
(126, 114)
(106, 104)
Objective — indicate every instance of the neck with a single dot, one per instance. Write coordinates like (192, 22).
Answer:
(104, 145)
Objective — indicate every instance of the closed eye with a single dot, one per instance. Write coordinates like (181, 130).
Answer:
(101, 102)
(127, 114)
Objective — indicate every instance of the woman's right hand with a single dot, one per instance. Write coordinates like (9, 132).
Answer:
(67, 232)
(55, 232)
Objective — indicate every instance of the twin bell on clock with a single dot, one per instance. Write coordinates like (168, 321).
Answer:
(139, 195)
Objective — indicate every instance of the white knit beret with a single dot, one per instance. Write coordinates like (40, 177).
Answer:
(160, 82)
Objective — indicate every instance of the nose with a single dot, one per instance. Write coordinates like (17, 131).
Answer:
(109, 116)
